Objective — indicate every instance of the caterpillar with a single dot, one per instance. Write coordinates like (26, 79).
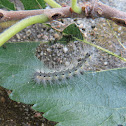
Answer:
(58, 76)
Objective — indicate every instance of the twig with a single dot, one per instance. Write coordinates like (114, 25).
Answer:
(94, 9)
(101, 10)
(51, 13)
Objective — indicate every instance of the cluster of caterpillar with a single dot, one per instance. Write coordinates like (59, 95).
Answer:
(58, 76)
(58, 56)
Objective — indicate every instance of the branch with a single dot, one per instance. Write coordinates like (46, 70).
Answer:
(51, 13)
(101, 10)
(94, 9)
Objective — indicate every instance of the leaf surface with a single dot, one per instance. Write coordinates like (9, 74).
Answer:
(7, 4)
(33, 4)
(70, 33)
(92, 99)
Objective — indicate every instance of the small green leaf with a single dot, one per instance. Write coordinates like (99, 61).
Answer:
(70, 33)
(33, 4)
(7, 4)
(92, 99)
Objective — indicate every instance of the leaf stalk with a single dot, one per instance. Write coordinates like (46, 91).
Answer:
(10, 32)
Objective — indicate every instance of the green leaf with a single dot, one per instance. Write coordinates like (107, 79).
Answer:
(92, 99)
(70, 33)
(7, 4)
(33, 4)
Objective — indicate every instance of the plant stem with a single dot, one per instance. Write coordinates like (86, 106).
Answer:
(52, 3)
(75, 7)
(100, 48)
(10, 32)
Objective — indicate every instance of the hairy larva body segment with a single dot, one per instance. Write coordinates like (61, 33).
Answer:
(58, 76)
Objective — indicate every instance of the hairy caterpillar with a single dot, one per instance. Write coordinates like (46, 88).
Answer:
(57, 76)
